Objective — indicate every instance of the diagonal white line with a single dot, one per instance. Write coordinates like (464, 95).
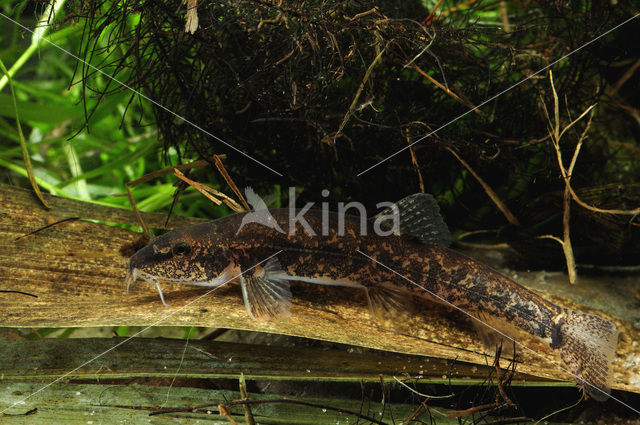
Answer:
(494, 329)
(164, 108)
(137, 333)
(501, 93)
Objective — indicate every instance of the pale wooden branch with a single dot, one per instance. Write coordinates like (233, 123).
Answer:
(589, 207)
(571, 124)
(76, 270)
(567, 247)
(556, 134)
(566, 172)
(126, 402)
(583, 135)
(555, 238)
(30, 359)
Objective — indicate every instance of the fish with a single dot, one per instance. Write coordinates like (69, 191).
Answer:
(399, 256)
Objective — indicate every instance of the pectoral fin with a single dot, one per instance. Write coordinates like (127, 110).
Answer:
(266, 293)
(389, 304)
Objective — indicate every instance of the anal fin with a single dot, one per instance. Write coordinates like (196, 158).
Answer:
(266, 293)
(491, 335)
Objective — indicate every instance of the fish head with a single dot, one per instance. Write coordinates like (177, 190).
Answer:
(183, 256)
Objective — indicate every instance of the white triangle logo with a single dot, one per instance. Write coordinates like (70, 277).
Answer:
(260, 213)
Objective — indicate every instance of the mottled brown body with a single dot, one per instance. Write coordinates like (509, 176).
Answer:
(437, 270)
(461, 281)
(331, 251)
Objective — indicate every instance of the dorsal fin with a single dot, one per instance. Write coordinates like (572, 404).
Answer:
(419, 217)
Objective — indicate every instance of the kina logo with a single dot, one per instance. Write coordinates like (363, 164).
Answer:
(260, 213)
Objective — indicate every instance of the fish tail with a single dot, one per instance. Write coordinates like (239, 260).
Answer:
(587, 345)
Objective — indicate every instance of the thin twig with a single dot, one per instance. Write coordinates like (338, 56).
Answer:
(555, 238)
(426, 48)
(507, 421)
(567, 174)
(198, 186)
(504, 16)
(223, 408)
(288, 55)
(583, 204)
(363, 14)
(556, 135)
(383, 401)
(470, 411)
(499, 378)
(224, 412)
(175, 375)
(153, 175)
(627, 74)
(210, 192)
(229, 180)
(309, 404)
(428, 19)
(248, 415)
(427, 396)
(18, 292)
(465, 101)
(460, 240)
(567, 247)
(23, 142)
(136, 211)
(414, 161)
(544, 419)
(168, 170)
(415, 413)
(354, 103)
(27, 413)
(64, 220)
(494, 197)
(458, 7)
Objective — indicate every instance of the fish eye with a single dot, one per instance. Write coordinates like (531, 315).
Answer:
(181, 248)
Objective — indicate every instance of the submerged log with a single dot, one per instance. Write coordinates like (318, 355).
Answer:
(77, 271)
(132, 403)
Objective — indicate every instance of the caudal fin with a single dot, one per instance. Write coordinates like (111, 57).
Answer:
(587, 345)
